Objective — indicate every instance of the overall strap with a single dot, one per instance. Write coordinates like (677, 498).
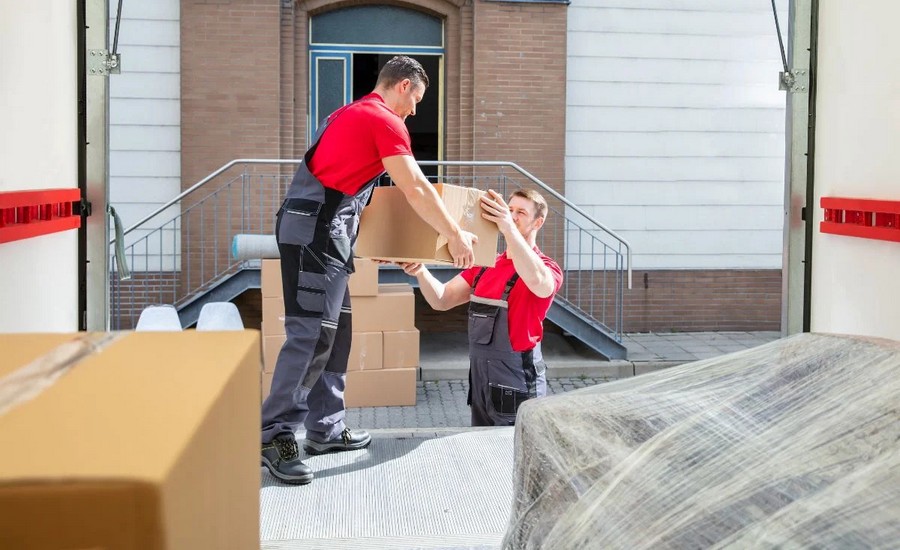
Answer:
(530, 373)
(509, 285)
(477, 277)
(506, 290)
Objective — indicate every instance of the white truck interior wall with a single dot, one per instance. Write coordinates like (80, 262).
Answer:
(854, 280)
(38, 149)
(145, 116)
(675, 128)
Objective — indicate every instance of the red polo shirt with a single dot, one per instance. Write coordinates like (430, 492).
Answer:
(526, 311)
(359, 136)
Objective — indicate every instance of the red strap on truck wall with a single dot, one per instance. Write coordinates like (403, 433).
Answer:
(26, 214)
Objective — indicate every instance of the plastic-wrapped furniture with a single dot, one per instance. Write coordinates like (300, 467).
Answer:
(219, 316)
(161, 318)
(792, 444)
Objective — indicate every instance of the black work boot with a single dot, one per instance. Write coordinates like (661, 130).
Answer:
(347, 441)
(282, 458)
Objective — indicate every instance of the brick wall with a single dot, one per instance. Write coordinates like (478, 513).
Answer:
(665, 301)
(520, 87)
(230, 83)
(127, 299)
(716, 300)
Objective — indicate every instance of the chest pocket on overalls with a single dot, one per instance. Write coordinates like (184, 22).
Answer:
(298, 221)
(482, 321)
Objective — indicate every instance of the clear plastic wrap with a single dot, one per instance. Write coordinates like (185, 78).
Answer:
(795, 443)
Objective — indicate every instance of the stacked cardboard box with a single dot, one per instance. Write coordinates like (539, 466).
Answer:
(272, 320)
(384, 355)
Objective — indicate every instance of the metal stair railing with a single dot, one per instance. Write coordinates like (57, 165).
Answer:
(183, 249)
(186, 251)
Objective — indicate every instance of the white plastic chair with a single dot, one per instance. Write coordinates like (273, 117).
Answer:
(162, 318)
(219, 316)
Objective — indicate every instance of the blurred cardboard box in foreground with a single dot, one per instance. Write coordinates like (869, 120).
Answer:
(143, 440)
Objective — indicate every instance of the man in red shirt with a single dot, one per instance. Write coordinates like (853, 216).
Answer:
(316, 232)
(507, 307)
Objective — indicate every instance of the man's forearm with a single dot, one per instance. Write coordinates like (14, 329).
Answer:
(428, 205)
(432, 289)
(531, 269)
(420, 194)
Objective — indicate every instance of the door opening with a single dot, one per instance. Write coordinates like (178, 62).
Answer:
(423, 128)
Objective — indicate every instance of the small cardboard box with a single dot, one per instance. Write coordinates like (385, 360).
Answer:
(389, 311)
(270, 279)
(366, 351)
(395, 288)
(390, 229)
(146, 440)
(364, 281)
(381, 388)
(401, 349)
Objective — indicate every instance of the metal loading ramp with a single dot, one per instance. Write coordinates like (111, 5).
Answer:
(427, 488)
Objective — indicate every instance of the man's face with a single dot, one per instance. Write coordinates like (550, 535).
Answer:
(410, 95)
(522, 211)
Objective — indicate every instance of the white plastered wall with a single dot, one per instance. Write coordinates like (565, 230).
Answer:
(854, 281)
(38, 149)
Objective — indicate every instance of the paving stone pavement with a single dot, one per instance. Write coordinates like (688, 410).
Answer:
(441, 404)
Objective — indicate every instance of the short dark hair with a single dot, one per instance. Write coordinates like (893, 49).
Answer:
(400, 67)
(540, 204)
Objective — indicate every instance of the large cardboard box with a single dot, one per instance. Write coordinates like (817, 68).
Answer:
(271, 347)
(366, 351)
(130, 440)
(364, 280)
(381, 388)
(266, 384)
(389, 311)
(391, 230)
(401, 349)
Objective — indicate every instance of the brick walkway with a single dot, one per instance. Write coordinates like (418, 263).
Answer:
(440, 404)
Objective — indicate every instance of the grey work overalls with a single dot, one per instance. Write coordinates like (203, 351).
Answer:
(316, 233)
(500, 379)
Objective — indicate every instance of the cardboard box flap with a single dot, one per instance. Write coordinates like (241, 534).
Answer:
(464, 204)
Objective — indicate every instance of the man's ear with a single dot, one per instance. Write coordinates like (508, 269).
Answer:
(539, 222)
(405, 84)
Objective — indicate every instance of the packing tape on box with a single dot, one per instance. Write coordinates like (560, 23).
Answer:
(254, 247)
(27, 382)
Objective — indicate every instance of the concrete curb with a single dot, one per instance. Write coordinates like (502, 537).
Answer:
(424, 433)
